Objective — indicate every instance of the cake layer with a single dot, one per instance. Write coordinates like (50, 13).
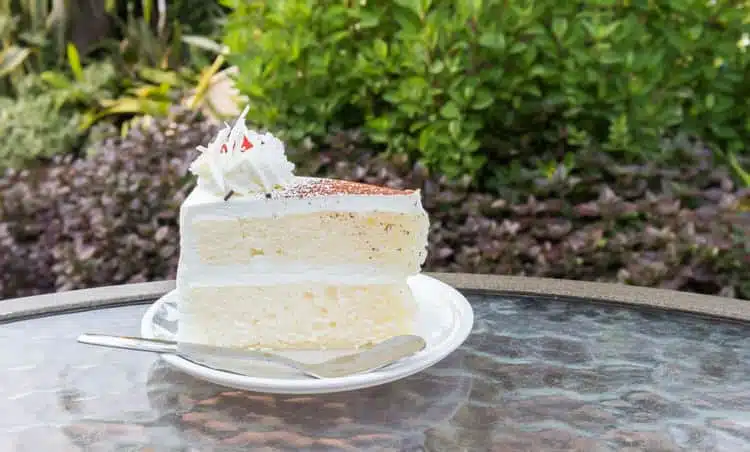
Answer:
(305, 315)
(315, 225)
(381, 239)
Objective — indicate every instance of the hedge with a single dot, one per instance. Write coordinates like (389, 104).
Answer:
(112, 218)
(468, 87)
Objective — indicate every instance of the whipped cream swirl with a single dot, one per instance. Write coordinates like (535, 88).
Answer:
(242, 161)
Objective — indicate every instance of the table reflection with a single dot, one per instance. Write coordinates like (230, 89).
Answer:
(210, 417)
(534, 375)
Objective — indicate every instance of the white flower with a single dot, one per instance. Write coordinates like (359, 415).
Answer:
(242, 161)
(744, 42)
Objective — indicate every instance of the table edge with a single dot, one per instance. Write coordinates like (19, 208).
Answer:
(599, 292)
(83, 299)
(633, 296)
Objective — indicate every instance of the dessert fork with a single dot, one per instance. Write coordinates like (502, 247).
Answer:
(367, 360)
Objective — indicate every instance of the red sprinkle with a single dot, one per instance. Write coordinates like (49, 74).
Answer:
(246, 144)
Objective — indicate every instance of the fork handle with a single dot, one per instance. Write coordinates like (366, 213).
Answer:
(129, 342)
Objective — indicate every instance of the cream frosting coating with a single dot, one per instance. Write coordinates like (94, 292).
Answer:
(204, 203)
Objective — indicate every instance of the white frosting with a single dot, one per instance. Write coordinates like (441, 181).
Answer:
(242, 161)
(205, 204)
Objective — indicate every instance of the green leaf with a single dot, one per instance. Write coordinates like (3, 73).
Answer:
(741, 172)
(610, 58)
(204, 81)
(424, 138)
(437, 67)
(470, 146)
(559, 27)
(492, 40)
(56, 80)
(408, 22)
(381, 49)
(89, 119)
(148, 8)
(539, 70)
(454, 127)
(132, 105)
(204, 43)
(605, 31)
(340, 36)
(415, 6)
(368, 19)
(159, 76)
(483, 99)
(12, 58)
(518, 47)
(710, 101)
(125, 105)
(295, 49)
(74, 60)
(450, 110)
(381, 123)
(149, 91)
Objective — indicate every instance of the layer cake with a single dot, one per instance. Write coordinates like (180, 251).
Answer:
(271, 260)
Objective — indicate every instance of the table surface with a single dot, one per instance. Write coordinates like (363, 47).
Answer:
(535, 375)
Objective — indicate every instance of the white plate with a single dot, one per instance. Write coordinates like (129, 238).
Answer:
(444, 320)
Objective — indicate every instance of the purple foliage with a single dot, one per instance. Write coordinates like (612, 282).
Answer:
(112, 218)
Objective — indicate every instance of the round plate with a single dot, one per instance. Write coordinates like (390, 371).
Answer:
(444, 320)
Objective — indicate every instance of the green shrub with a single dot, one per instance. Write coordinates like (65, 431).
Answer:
(467, 86)
(94, 82)
(43, 119)
(33, 127)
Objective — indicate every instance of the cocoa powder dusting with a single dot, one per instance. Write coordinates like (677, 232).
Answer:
(326, 187)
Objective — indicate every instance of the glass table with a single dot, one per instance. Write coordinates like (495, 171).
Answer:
(538, 373)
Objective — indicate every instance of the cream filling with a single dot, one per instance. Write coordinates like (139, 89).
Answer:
(259, 273)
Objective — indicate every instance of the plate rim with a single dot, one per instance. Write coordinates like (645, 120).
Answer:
(457, 302)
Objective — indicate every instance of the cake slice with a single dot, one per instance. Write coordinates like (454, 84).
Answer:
(271, 260)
